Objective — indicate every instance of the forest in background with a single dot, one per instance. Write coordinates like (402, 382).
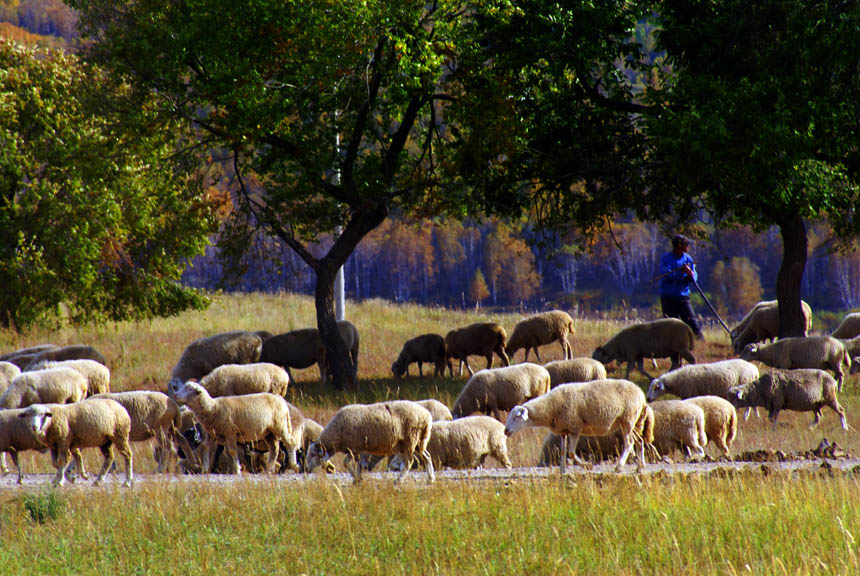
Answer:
(502, 264)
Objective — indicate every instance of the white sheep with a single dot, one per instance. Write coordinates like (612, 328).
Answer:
(593, 448)
(239, 379)
(465, 443)
(66, 428)
(721, 420)
(8, 371)
(667, 337)
(230, 420)
(71, 352)
(596, 408)
(153, 415)
(491, 391)
(762, 323)
(97, 374)
(305, 347)
(383, 429)
(540, 329)
(803, 352)
(425, 348)
(575, 370)
(50, 386)
(205, 354)
(437, 410)
(479, 339)
(848, 328)
(679, 425)
(714, 378)
(803, 390)
(16, 437)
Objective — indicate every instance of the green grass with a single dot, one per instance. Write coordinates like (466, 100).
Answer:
(724, 523)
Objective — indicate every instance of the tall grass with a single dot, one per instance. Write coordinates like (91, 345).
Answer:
(724, 523)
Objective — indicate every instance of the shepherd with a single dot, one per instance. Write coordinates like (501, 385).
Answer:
(677, 272)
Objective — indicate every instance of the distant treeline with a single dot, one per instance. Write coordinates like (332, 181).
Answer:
(493, 263)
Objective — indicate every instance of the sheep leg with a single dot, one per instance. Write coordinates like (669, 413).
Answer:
(323, 375)
(469, 368)
(3, 467)
(841, 411)
(428, 466)
(107, 452)
(640, 365)
(816, 418)
(274, 450)
(352, 467)
(233, 451)
(772, 415)
(124, 448)
(408, 459)
(60, 456)
(503, 355)
(420, 369)
(537, 353)
(17, 463)
(626, 447)
(180, 439)
(490, 360)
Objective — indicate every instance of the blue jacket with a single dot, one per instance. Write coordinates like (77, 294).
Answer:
(676, 284)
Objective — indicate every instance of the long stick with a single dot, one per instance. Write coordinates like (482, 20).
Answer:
(708, 302)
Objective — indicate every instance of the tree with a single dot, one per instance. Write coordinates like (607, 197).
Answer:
(736, 287)
(338, 109)
(95, 223)
(478, 291)
(758, 123)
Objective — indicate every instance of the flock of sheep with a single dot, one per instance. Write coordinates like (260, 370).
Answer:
(225, 404)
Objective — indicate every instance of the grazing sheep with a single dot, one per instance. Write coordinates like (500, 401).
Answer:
(807, 352)
(425, 348)
(240, 379)
(679, 425)
(714, 378)
(16, 437)
(230, 420)
(310, 434)
(50, 386)
(8, 371)
(205, 354)
(66, 428)
(575, 370)
(303, 348)
(480, 339)
(591, 448)
(437, 409)
(721, 420)
(540, 329)
(596, 408)
(803, 390)
(465, 443)
(72, 352)
(491, 391)
(848, 328)
(24, 356)
(383, 429)
(852, 347)
(667, 337)
(27, 351)
(153, 415)
(97, 374)
(762, 323)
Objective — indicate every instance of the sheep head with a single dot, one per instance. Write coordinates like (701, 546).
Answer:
(317, 455)
(190, 393)
(655, 390)
(398, 369)
(751, 352)
(517, 420)
(39, 418)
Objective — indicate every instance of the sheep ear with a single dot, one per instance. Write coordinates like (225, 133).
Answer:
(524, 414)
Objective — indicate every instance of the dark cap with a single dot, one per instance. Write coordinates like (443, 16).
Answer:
(680, 239)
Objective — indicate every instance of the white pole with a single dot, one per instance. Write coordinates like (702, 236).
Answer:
(339, 290)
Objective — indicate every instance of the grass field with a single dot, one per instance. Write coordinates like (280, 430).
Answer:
(723, 523)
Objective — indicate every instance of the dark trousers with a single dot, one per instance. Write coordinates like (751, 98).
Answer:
(681, 308)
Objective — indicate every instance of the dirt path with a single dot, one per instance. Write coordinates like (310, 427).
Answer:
(8, 482)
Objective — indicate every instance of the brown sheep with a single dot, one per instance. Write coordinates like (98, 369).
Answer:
(540, 329)
(479, 339)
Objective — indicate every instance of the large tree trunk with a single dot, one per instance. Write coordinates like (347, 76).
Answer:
(341, 372)
(790, 278)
